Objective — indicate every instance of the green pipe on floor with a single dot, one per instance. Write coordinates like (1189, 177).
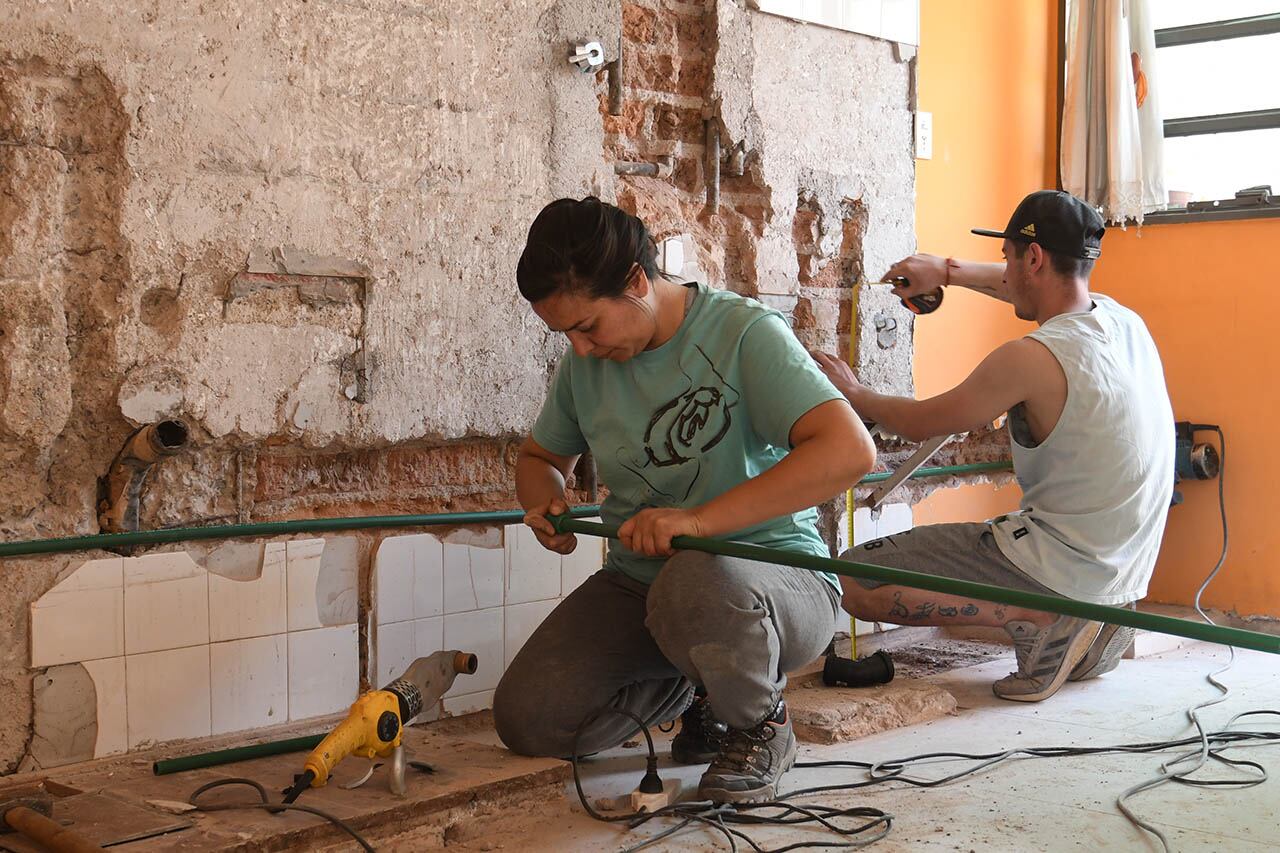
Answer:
(110, 541)
(166, 766)
(1237, 637)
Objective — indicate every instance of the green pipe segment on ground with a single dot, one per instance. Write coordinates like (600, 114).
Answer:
(1237, 637)
(109, 541)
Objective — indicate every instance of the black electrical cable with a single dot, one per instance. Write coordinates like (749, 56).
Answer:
(269, 806)
(723, 816)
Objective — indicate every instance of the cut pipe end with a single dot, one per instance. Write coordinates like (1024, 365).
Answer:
(465, 663)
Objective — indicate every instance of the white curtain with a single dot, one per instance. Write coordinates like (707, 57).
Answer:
(1112, 150)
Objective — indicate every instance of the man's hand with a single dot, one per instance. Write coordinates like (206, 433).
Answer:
(537, 521)
(840, 374)
(924, 273)
(650, 531)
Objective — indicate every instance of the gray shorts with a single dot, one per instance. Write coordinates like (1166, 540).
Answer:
(966, 551)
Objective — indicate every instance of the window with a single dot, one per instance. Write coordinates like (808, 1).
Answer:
(1220, 98)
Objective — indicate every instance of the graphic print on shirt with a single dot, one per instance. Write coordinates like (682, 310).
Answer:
(680, 431)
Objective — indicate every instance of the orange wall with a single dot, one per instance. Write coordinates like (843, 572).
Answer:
(986, 72)
(1197, 285)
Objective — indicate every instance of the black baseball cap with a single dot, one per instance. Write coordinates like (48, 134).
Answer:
(1058, 221)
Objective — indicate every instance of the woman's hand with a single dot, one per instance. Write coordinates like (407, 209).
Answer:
(650, 531)
(537, 521)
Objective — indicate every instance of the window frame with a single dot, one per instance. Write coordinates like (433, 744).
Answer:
(1203, 211)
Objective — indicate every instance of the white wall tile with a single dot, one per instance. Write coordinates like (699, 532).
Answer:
(533, 572)
(393, 580)
(168, 695)
(166, 603)
(584, 562)
(408, 578)
(895, 518)
(81, 617)
(428, 576)
(250, 608)
(473, 577)
(865, 527)
(324, 674)
(428, 636)
(113, 721)
(249, 682)
(900, 21)
(468, 703)
(861, 16)
(322, 578)
(521, 621)
(395, 652)
(481, 633)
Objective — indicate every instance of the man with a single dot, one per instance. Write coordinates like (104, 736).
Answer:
(1091, 430)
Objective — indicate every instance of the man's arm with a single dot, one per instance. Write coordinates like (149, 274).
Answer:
(927, 273)
(1005, 378)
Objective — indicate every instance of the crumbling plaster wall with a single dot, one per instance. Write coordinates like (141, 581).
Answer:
(149, 149)
(416, 139)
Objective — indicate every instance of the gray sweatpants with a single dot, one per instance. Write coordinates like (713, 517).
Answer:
(733, 626)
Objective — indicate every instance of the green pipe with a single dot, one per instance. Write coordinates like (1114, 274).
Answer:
(110, 541)
(265, 528)
(943, 471)
(951, 586)
(166, 766)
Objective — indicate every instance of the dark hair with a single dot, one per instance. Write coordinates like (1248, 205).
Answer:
(583, 245)
(1067, 265)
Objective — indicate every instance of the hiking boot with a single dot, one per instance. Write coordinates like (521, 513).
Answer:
(1105, 653)
(751, 761)
(1046, 657)
(698, 741)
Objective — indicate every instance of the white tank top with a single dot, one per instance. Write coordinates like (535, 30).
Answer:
(1096, 491)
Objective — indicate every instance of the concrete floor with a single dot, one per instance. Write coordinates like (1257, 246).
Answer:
(1048, 805)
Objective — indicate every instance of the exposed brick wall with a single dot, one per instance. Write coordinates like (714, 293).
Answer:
(669, 48)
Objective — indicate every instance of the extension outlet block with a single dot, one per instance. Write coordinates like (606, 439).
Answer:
(642, 802)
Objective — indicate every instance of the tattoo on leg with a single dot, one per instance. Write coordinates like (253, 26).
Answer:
(969, 610)
(898, 609)
(923, 611)
(946, 611)
(1000, 612)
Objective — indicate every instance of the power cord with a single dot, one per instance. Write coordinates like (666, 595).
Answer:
(726, 817)
(1209, 746)
(1200, 756)
(269, 806)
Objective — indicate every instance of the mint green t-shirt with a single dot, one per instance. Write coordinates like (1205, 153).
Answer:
(681, 424)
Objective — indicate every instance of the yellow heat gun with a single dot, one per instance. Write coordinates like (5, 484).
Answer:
(374, 727)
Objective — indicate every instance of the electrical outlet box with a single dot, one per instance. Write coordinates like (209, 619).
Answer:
(924, 135)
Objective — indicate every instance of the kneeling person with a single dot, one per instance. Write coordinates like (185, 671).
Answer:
(1091, 430)
(706, 417)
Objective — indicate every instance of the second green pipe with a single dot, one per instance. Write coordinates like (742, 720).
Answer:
(1237, 637)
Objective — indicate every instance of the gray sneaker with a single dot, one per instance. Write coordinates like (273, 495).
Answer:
(751, 761)
(1046, 657)
(1105, 653)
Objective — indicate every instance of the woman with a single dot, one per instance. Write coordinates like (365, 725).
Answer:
(705, 417)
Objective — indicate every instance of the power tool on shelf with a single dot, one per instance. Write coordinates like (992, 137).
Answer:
(374, 726)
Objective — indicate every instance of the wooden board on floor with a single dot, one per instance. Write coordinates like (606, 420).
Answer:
(105, 820)
(821, 714)
(465, 771)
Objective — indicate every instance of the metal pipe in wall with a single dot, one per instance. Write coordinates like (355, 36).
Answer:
(118, 509)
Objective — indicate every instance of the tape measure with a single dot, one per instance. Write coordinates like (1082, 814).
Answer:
(924, 303)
